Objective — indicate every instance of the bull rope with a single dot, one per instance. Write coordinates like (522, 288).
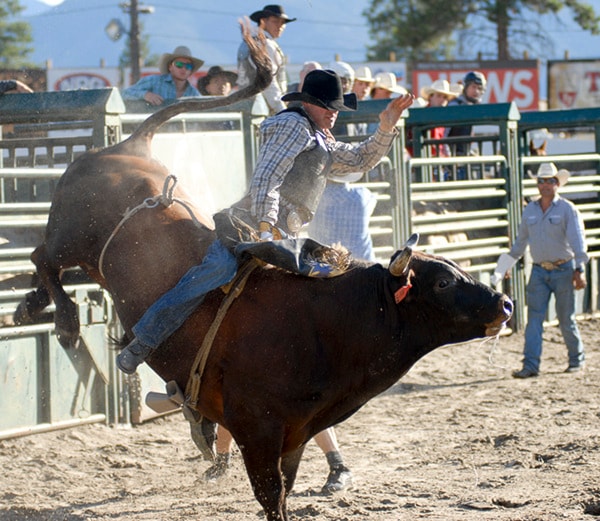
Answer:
(166, 199)
(192, 389)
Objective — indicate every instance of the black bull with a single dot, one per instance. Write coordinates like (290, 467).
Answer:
(293, 355)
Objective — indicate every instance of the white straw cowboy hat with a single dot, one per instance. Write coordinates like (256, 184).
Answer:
(363, 74)
(387, 81)
(549, 170)
(180, 52)
(438, 87)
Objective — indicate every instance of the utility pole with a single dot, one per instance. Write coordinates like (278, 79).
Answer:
(134, 41)
(134, 9)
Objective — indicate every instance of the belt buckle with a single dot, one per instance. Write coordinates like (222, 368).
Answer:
(547, 265)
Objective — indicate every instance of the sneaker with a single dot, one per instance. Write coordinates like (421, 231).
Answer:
(219, 468)
(574, 368)
(339, 479)
(132, 356)
(524, 373)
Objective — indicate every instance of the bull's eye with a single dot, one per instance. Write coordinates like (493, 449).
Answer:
(443, 283)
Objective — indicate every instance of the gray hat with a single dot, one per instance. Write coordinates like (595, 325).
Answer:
(180, 52)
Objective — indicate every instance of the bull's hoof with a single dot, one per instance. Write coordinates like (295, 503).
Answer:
(68, 340)
(21, 316)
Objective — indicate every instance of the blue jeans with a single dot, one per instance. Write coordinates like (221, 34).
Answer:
(541, 285)
(171, 310)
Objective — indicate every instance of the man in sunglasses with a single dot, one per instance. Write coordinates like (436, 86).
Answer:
(554, 230)
(176, 68)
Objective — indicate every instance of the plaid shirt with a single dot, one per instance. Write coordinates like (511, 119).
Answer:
(161, 84)
(283, 137)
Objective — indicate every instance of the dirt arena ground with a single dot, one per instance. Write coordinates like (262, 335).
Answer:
(456, 439)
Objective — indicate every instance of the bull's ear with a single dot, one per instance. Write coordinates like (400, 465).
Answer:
(399, 264)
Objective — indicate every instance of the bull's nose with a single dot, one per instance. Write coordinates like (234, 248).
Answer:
(507, 306)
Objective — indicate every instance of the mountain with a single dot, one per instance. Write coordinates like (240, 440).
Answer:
(72, 34)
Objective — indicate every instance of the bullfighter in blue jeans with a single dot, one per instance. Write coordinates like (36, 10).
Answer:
(554, 230)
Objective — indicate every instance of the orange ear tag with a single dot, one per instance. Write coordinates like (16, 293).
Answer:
(401, 293)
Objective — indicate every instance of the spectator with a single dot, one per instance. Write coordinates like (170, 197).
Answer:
(438, 94)
(272, 20)
(175, 69)
(363, 82)
(553, 228)
(306, 68)
(345, 72)
(16, 85)
(473, 89)
(217, 82)
(385, 86)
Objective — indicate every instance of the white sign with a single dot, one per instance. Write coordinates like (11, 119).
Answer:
(83, 78)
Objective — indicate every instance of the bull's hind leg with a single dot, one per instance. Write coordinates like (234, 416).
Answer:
(66, 319)
(29, 309)
(289, 468)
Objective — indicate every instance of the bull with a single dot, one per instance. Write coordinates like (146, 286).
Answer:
(293, 355)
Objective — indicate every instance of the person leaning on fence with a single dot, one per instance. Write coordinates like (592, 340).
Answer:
(14, 85)
(217, 82)
(473, 88)
(438, 94)
(176, 68)
(553, 228)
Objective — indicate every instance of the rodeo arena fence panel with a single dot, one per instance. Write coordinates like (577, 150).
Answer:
(466, 208)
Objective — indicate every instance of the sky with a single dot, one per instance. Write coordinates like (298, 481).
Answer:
(70, 33)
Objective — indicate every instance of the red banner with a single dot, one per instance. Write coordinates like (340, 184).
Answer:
(516, 81)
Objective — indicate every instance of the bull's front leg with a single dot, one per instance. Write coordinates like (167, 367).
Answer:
(66, 319)
(262, 464)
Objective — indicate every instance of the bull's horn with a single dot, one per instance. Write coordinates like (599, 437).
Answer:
(412, 241)
(399, 265)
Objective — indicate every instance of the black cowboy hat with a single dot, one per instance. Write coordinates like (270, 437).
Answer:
(324, 89)
(271, 10)
(215, 70)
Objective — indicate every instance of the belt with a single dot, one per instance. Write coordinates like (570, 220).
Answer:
(549, 266)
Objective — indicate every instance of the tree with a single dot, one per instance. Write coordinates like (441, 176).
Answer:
(15, 36)
(425, 29)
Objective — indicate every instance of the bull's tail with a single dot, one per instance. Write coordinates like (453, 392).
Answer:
(263, 79)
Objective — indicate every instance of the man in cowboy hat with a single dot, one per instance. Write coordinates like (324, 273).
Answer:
(175, 69)
(217, 82)
(438, 94)
(272, 20)
(553, 228)
(297, 154)
(363, 82)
